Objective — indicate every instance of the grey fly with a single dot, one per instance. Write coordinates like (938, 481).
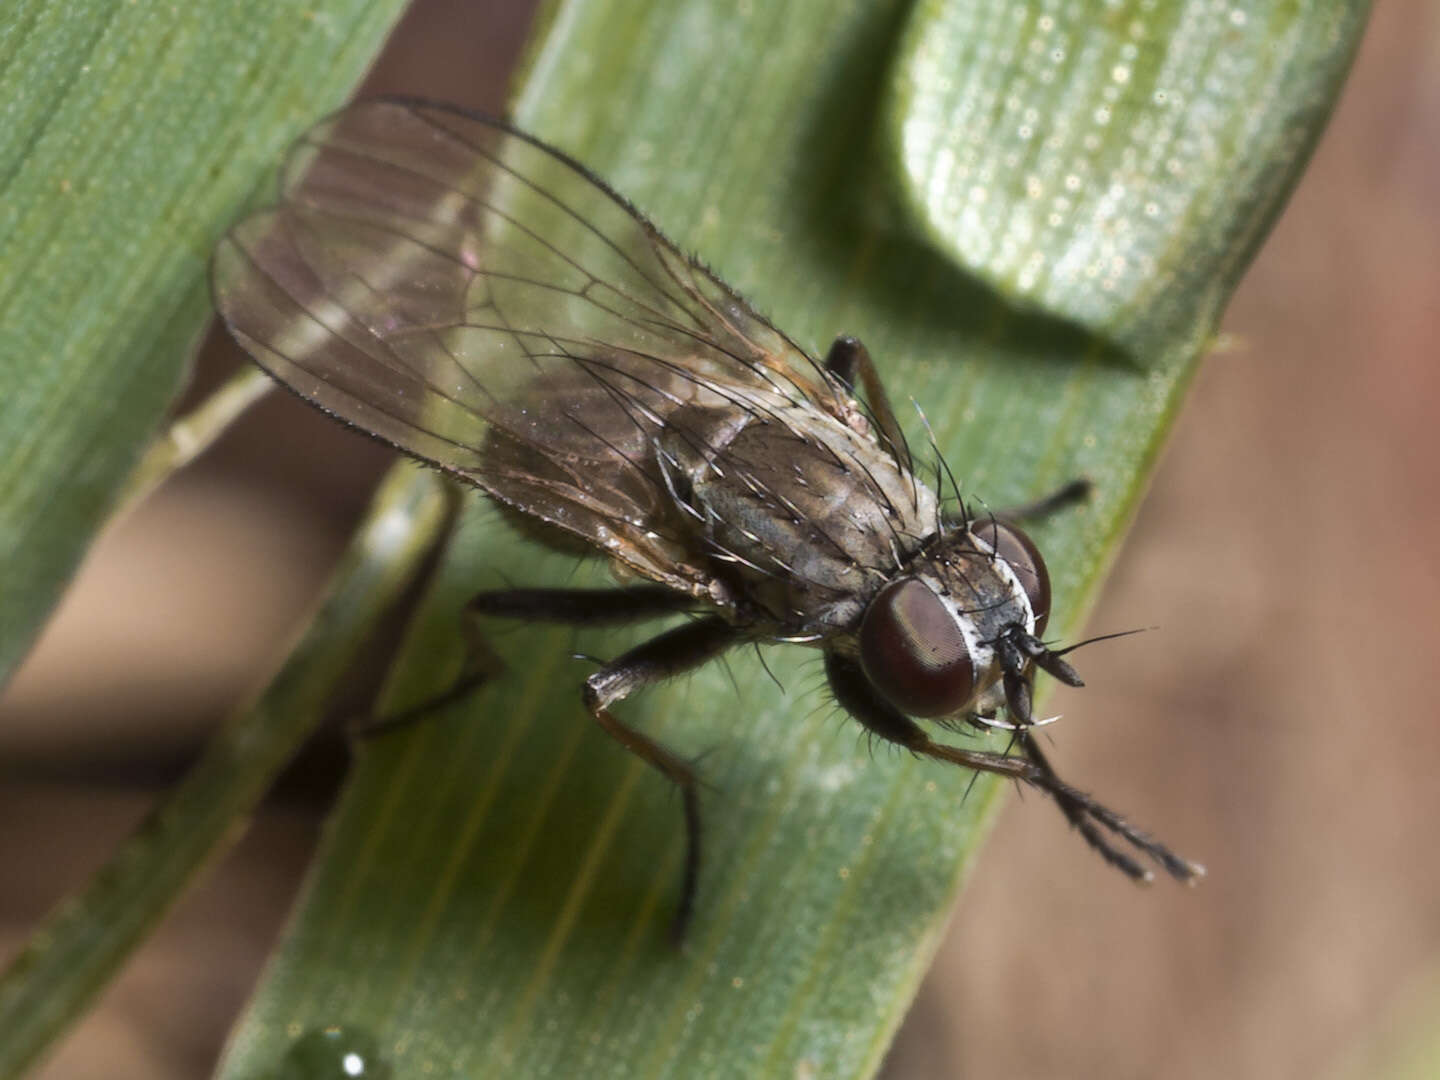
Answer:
(458, 289)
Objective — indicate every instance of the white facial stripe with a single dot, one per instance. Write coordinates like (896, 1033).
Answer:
(982, 654)
(1007, 573)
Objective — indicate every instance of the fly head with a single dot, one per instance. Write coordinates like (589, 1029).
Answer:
(961, 628)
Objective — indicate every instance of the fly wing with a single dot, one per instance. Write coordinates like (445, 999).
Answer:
(456, 288)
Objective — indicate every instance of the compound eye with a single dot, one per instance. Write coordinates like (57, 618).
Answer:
(913, 652)
(1017, 549)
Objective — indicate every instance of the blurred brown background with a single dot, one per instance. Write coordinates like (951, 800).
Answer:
(1279, 725)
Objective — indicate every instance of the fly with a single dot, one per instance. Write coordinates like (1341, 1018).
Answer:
(462, 291)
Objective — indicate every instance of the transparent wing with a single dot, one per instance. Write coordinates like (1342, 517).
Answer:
(456, 288)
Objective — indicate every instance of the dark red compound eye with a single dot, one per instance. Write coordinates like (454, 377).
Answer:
(1017, 549)
(913, 652)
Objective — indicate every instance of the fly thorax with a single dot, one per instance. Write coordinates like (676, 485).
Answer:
(807, 517)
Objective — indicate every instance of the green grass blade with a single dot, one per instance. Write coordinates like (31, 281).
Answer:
(69, 959)
(131, 134)
(493, 890)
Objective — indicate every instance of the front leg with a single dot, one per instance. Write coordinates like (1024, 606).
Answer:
(856, 695)
(672, 653)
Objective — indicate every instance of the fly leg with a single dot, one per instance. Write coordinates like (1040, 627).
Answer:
(855, 694)
(1079, 813)
(1018, 691)
(577, 607)
(1061, 498)
(849, 360)
(672, 653)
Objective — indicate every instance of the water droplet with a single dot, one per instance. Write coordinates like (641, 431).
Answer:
(333, 1053)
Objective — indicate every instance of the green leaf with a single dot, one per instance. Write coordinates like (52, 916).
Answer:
(494, 888)
(132, 134)
(1115, 165)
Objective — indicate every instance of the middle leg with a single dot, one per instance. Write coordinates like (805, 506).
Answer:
(672, 653)
(850, 361)
(1063, 497)
(577, 607)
